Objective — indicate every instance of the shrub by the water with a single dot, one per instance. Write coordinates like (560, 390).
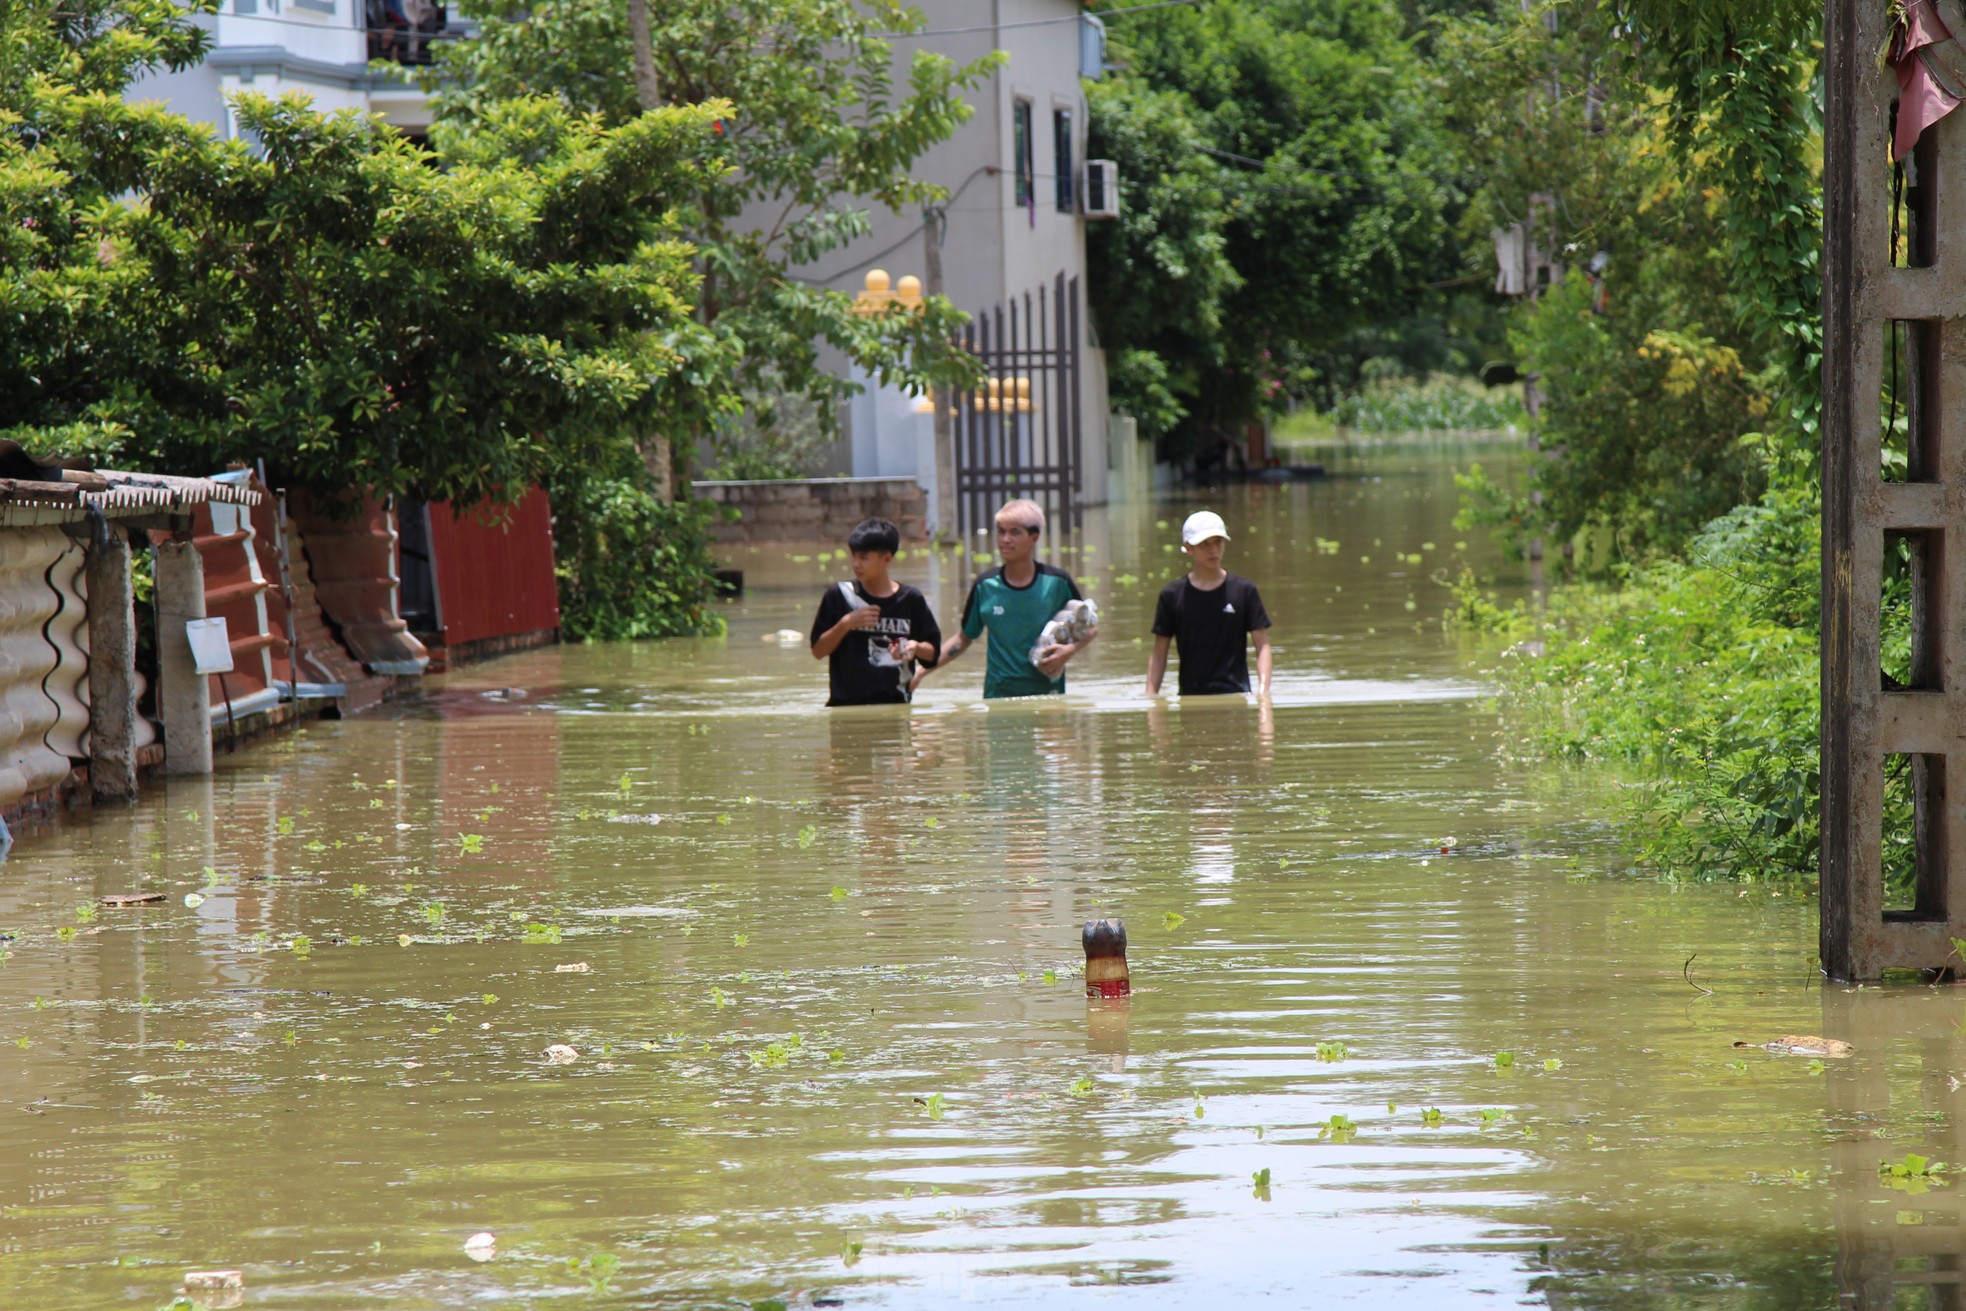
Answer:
(1439, 403)
(1701, 672)
(630, 564)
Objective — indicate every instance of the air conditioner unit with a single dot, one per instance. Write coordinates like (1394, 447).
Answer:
(1102, 189)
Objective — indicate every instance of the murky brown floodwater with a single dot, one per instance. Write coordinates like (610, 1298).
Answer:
(832, 1046)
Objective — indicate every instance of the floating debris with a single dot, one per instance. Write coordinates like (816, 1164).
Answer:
(561, 1054)
(481, 1246)
(577, 967)
(131, 898)
(634, 819)
(1803, 1045)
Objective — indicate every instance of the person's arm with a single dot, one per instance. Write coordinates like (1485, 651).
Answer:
(824, 644)
(1157, 664)
(1258, 620)
(1053, 659)
(967, 631)
(927, 648)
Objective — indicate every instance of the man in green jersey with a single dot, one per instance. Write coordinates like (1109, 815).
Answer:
(1012, 603)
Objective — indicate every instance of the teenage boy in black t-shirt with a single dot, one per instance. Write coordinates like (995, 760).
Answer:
(1210, 615)
(873, 641)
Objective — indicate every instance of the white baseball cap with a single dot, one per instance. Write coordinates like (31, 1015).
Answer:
(1202, 525)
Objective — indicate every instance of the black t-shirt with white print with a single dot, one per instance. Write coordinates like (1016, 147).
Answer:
(862, 668)
(1210, 631)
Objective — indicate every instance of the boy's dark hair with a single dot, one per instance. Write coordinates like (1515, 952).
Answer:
(874, 535)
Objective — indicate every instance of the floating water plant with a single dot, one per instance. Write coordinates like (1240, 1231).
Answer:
(1332, 1051)
(1504, 1060)
(1338, 1129)
(1080, 1087)
(470, 842)
(1493, 1115)
(838, 893)
(538, 932)
(1431, 1117)
(1173, 920)
(598, 1269)
(932, 1104)
(740, 940)
(1552, 1064)
(807, 836)
(1913, 1174)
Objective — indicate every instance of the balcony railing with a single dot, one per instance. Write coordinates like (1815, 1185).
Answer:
(406, 31)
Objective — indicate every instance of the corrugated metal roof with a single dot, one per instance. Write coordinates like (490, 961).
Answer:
(168, 490)
(115, 493)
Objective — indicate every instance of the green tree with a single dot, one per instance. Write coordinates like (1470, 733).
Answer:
(1652, 385)
(814, 131)
(1324, 176)
(323, 296)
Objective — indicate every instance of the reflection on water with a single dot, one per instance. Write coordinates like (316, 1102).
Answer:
(821, 972)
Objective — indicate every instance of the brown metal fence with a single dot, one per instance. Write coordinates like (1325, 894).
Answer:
(1019, 434)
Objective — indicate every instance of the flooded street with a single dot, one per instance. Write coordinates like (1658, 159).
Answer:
(820, 969)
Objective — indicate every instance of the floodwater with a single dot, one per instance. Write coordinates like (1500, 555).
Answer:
(820, 970)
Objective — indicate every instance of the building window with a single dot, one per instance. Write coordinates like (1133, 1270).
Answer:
(1061, 153)
(1020, 146)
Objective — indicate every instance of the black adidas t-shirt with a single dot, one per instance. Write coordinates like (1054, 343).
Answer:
(862, 669)
(1211, 632)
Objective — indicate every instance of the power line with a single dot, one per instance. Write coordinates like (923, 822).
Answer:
(1032, 22)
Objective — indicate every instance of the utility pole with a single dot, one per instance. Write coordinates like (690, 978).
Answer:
(934, 219)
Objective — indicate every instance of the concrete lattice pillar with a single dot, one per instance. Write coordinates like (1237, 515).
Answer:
(112, 667)
(1894, 307)
(184, 695)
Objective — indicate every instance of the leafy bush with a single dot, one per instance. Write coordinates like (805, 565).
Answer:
(630, 564)
(1703, 673)
(1435, 404)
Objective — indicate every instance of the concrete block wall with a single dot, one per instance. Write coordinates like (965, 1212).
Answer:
(802, 511)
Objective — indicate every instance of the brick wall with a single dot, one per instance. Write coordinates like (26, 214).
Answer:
(816, 510)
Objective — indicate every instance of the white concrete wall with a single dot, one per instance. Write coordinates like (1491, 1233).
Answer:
(273, 47)
(994, 248)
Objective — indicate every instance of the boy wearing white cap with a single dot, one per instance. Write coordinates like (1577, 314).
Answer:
(1211, 616)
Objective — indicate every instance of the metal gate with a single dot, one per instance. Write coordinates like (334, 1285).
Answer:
(1018, 435)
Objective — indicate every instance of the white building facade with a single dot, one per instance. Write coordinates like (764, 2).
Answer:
(1014, 222)
(1013, 227)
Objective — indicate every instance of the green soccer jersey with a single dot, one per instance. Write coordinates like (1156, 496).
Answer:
(1014, 616)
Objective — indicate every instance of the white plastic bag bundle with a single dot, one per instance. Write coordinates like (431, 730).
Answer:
(1076, 622)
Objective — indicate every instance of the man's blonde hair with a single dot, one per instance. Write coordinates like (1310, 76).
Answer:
(1030, 511)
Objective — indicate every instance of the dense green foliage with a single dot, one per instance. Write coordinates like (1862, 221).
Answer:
(812, 131)
(1288, 199)
(321, 296)
(630, 564)
(1684, 417)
